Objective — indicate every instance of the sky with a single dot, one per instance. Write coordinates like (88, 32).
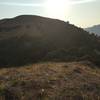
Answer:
(83, 13)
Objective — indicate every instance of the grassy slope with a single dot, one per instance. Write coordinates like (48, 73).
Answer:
(51, 81)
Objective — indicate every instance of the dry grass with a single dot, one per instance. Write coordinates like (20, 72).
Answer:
(51, 81)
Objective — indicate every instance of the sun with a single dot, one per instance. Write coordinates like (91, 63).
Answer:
(57, 8)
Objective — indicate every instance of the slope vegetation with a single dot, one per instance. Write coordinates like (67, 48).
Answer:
(26, 39)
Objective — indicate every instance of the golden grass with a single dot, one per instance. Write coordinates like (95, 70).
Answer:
(52, 81)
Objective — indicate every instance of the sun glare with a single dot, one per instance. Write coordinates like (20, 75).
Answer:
(57, 8)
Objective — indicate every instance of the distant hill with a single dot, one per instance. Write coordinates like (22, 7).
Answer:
(95, 29)
(26, 39)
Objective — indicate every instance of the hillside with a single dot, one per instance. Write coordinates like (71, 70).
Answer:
(26, 39)
(94, 29)
(51, 81)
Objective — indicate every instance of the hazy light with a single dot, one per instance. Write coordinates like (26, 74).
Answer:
(57, 8)
(53, 2)
(80, 1)
(22, 4)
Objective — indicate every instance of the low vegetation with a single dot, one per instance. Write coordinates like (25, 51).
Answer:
(51, 81)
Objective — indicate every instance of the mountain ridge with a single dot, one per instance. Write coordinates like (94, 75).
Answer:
(94, 29)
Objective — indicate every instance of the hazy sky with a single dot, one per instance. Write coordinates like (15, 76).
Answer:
(82, 13)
